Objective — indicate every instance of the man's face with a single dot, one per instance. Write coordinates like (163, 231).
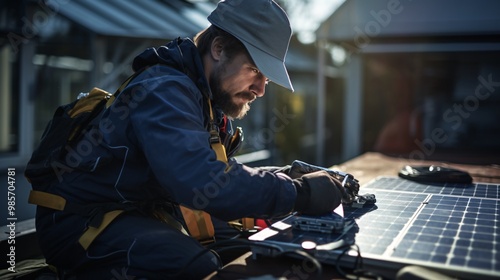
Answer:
(235, 83)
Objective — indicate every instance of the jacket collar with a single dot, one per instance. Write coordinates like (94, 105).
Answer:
(180, 54)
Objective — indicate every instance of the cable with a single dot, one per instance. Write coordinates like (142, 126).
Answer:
(357, 269)
(337, 266)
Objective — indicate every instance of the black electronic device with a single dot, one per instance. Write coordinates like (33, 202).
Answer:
(320, 237)
(331, 223)
(434, 174)
(364, 200)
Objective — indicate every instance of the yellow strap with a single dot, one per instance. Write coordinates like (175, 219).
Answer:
(91, 233)
(248, 223)
(110, 101)
(220, 151)
(210, 110)
(199, 223)
(88, 103)
(56, 202)
(47, 200)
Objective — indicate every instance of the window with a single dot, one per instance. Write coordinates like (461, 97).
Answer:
(425, 104)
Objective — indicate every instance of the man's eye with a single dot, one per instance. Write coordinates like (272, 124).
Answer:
(255, 70)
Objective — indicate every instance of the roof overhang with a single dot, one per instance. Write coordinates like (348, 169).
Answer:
(138, 19)
(362, 20)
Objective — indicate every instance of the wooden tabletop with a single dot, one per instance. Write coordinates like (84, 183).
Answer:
(371, 165)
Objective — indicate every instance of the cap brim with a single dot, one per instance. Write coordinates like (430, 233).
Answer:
(273, 68)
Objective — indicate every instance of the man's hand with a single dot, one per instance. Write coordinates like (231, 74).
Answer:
(349, 190)
(318, 193)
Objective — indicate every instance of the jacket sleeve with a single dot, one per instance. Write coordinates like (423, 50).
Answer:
(169, 127)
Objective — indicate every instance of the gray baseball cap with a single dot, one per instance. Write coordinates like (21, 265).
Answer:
(263, 27)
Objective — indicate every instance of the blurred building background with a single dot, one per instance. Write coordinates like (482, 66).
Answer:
(417, 79)
(421, 78)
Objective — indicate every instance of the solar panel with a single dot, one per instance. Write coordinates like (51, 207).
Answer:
(452, 228)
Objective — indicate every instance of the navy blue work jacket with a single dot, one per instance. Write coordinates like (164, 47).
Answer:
(152, 144)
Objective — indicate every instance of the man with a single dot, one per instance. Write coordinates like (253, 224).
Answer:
(154, 155)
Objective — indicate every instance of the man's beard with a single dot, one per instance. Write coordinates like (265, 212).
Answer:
(223, 99)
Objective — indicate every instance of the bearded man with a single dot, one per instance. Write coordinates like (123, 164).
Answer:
(165, 154)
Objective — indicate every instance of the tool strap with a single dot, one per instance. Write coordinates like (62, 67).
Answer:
(198, 222)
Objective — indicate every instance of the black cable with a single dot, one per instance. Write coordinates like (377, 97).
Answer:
(357, 269)
(337, 265)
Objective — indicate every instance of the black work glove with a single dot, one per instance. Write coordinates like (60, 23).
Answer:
(318, 193)
(349, 191)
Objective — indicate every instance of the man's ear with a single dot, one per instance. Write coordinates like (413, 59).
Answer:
(216, 48)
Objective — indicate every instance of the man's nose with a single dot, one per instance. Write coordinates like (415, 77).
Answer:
(259, 86)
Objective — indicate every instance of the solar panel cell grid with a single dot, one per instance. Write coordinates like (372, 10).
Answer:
(455, 226)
